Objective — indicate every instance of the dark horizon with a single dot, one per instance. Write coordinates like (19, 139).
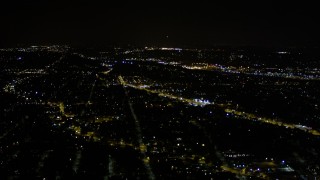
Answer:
(201, 24)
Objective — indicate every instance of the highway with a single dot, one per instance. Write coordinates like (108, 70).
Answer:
(271, 121)
(227, 109)
(182, 99)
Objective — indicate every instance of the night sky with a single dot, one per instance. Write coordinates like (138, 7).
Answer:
(179, 24)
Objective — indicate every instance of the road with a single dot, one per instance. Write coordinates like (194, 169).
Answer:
(227, 109)
(142, 146)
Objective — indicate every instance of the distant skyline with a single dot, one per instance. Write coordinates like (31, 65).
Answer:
(180, 24)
